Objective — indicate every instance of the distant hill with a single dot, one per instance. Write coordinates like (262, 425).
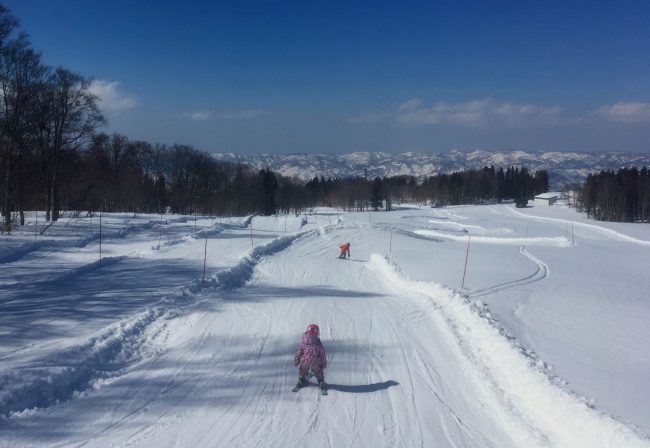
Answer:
(563, 167)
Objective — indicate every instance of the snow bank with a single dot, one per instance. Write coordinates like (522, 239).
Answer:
(73, 370)
(558, 241)
(238, 275)
(609, 233)
(515, 385)
(189, 239)
(15, 253)
(87, 366)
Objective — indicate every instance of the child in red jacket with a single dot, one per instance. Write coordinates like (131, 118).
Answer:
(345, 249)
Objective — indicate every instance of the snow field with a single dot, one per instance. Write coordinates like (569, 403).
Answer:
(544, 414)
(174, 361)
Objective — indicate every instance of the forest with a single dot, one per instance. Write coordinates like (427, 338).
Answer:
(623, 195)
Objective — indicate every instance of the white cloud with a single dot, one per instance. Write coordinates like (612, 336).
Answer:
(199, 115)
(466, 114)
(622, 112)
(111, 100)
(247, 114)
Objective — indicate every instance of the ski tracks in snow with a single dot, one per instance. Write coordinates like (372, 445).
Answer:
(541, 272)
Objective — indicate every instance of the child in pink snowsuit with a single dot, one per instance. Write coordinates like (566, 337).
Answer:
(311, 356)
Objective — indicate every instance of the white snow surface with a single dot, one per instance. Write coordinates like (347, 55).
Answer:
(540, 341)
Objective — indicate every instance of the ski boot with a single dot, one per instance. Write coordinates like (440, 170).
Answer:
(302, 382)
(323, 387)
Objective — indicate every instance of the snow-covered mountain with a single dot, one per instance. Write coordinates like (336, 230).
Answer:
(563, 167)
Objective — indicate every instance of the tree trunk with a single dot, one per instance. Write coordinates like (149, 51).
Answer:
(21, 190)
(55, 201)
(48, 201)
(6, 202)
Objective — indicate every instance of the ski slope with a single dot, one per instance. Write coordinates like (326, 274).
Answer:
(546, 345)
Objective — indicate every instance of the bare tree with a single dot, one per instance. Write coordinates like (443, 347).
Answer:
(73, 117)
(20, 72)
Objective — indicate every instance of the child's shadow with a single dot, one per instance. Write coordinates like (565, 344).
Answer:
(362, 388)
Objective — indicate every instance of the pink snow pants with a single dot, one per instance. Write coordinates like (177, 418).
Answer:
(318, 372)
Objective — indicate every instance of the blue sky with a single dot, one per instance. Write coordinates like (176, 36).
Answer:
(301, 76)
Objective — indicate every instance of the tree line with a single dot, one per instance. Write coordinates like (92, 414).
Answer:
(46, 115)
(623, 195)
(487, 185)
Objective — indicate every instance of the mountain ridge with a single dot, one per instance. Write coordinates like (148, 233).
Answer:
(564, 167)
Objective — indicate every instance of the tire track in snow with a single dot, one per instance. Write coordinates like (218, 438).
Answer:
(541, 273)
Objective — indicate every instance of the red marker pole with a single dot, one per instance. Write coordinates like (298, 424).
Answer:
(469, 238)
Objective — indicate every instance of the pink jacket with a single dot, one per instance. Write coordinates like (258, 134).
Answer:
(311, 352)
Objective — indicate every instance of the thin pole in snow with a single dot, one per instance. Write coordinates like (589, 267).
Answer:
(36, 225)
(469, 238)
(285, 223)
(252, 246)
(205, 256)
(390, 245)
(100, 234)
(160, 232)
(573, 236)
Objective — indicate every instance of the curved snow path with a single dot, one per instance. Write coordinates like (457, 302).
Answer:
(540, 273)
(603, 231)
(557, 241)
(410, 364)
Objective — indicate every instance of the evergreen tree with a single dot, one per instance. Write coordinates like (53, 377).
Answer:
(269, 188)
(377, 197)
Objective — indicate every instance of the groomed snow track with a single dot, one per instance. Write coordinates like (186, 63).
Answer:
(411, 364)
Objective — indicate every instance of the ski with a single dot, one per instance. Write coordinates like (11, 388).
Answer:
(310, 374)
(323, 391)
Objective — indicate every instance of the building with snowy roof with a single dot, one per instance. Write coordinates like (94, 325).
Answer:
(547, 198)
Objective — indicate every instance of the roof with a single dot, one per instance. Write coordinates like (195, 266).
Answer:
(548, 195)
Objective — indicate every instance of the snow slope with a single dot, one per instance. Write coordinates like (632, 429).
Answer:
(139, 350)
